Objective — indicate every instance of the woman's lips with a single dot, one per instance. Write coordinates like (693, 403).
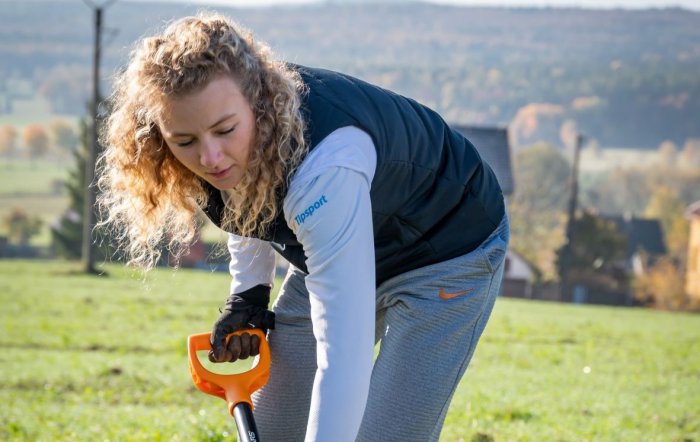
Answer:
(221, 174)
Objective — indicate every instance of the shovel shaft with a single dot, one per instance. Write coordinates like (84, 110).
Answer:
(247, 430)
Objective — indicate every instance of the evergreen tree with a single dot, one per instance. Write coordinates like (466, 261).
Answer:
(66, 234)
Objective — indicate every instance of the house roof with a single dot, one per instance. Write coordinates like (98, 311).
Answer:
(492, 145)
(513, 254)
(641, 234)
(693, 210)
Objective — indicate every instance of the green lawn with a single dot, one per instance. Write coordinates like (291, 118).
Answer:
(104, 358)
(24, 177)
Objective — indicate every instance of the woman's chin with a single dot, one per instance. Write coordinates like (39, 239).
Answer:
(223, 184)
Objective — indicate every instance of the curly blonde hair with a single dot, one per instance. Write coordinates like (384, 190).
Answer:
(146, 196)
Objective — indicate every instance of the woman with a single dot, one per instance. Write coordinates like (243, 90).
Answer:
(394, 227)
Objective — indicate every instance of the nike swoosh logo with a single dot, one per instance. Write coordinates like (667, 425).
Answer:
(444, 295)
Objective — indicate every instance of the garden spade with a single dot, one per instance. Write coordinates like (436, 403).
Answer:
(233, 388)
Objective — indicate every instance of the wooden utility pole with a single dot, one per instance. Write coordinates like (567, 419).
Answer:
(89, 216)
(573, 205)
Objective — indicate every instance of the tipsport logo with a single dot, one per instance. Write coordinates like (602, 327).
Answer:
(308, 213)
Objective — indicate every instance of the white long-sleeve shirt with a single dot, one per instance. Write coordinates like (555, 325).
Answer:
(328, 207)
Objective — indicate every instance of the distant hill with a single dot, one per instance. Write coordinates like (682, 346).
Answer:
(625, 78)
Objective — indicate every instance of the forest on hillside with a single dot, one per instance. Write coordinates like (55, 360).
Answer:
(624, 78)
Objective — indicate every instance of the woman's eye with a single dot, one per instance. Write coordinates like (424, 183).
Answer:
(184, 143)
(227, 131)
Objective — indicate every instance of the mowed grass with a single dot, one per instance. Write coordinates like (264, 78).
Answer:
(104, 358)
(26, 177)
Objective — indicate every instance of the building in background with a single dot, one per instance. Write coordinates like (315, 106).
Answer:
(494, 148)
(692, 276)
(518, 277)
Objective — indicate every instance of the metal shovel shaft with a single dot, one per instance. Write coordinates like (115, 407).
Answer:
(247, 430)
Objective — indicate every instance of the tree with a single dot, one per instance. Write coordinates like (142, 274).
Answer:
(63, 135)
(66, 234)
(595, 258)
(8, 139)
(537, 122)
(690, 155)
(36, 140)
(666, 206)
(619, 191)
(536, 236)
(542, 175)
(537, 208)
(662, 286)
(21, 226)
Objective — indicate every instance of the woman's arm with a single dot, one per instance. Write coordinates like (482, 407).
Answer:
(252, 263)
(252, 269)
(331, 215)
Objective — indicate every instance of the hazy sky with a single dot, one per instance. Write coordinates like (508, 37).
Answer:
(605, 4)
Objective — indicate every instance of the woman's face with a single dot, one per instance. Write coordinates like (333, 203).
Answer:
(211, 131)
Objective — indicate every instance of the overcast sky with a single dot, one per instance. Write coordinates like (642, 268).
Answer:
(604, 4)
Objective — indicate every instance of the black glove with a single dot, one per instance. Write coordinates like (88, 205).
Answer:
(242, 310)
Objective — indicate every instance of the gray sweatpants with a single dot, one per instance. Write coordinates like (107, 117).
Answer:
(428, 320)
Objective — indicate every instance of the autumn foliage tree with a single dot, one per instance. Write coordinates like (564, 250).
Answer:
(537, 122)
(21, 226)
(36, 140)
(8, 139)
(662, 286)
(666, 206)
(689, 157)
(537, 207)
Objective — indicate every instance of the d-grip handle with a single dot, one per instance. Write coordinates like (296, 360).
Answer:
(233, 388)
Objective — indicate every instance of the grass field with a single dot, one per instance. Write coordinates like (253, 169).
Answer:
(104, 358)
(25, 177)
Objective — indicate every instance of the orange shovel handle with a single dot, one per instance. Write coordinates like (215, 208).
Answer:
(233, 388)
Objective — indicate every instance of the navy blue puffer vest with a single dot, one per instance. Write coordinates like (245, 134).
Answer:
(433, 198)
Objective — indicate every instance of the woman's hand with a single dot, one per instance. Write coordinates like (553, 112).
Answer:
(238, 314)
(239, 347)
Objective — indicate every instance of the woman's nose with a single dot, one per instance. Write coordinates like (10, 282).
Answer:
(210, 154)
